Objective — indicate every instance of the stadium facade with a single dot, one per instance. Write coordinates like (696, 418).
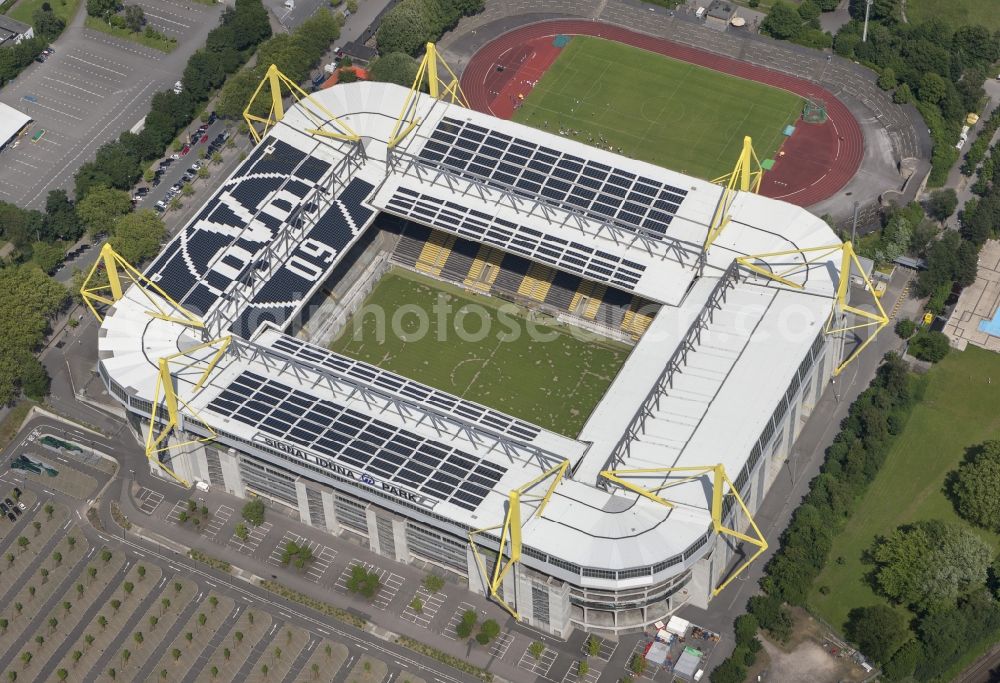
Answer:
(727, 363)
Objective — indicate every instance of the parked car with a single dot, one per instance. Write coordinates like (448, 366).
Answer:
(185, 150)
(212, 118)
(142, 191)
(4, 509)
(9, 502)
(11, 517)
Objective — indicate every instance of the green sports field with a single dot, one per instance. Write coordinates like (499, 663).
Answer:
(549, 377)
(667, 112)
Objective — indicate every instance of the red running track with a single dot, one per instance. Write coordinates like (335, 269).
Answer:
(818, 160)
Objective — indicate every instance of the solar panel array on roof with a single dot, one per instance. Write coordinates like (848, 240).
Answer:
(323, 244)
(407, 388)
(593, 264)
(244, 215)
(358, 441)
(596, 190)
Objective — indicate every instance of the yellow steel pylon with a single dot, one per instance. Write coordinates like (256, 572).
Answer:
(745, 177)
(429, 76)
(719, 482)
(874, 321)
(510, 534)
(325, 123)
(96, 293)
(166, 392)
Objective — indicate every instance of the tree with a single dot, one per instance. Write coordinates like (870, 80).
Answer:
(809, 10)
(877, 630)
(433, 583)
(53, 624)
(153, 621)
(253, 512)
(973, 486)
(417, 605)
(3, 625)
(189, 636)
(489, 630)
(101, 8)
(135, 18)
(44, 574)
(89, 639)
(141, 571)
(782, 22)
(67, 607)
(71, 542)
(241, 531)
(138, 637)
(903, 94)
(102, 621)
(164, 605)
(57, 558)
(363, 582)
(942, 204)
(61, 222)
(128, 587)
(106, 556)
(47, 24)
(932, 88)
(637, 664)
(125, 655)
(226, 653)
(929, 563)
(101, 207)
(76, 656)
(536, 649)
(582, 667)
(930, 346)
(112, 673)
(137, 236)
(92, 572)
(214, 671)
(26, 659)
(22, 542)
(213, 601)
(116, 604)
(887, 79)
(238, 637)
(40, 640)
(593, 646)
(176, 654)
(202, 618)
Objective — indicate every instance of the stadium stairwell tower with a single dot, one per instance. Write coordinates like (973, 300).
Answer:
(650, 507)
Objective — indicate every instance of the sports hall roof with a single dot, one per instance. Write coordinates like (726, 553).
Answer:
(274, 231)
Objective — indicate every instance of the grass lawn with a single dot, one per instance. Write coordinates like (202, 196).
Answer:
(157, 43)
(956, 12)
(670, 113)
(959, 410)
(554, 381)
(64, 9)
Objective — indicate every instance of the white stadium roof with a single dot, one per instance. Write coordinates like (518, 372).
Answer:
(274, 231)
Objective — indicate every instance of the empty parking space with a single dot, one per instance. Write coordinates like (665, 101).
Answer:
(605, 651)
(88, 92)
(389, 582)
(537, 665)
(322, 555)
(217, 521)
(572, 675)
(429, 604)
(500, 646)
(175, 512)
(254, 538)
(149, 500)
(463, 607)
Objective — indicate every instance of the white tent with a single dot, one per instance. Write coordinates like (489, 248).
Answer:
(11, 123)
(678, 626)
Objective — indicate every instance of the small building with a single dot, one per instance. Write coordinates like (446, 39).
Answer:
(13, 32)
(12, 122)
(719, 14)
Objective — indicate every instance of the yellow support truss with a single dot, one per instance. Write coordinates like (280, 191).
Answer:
(325, 124)
(875, 322)
(119, 273)
(428, 75)
(746, 177)
(167, 394)
(720, 481)
(510, 534)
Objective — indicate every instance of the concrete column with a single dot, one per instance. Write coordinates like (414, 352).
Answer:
(330, 512)
(371, 519)
(400, 542)
(477, 583)
(303, 501)
(231, 472)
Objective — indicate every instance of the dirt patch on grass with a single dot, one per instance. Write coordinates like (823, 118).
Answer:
(810, 656)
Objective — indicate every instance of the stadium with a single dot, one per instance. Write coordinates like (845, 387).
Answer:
(722, 315)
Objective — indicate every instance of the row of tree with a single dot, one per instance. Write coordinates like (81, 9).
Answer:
(295, 54)
(411, 24)
(851, 463)
(937, 67)
(118, 164)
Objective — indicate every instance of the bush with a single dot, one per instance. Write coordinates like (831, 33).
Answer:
(905, 328)
(942, 204)
(974, 485)
(253, 511)
(930, 346)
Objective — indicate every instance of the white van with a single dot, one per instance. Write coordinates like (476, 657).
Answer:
(201, 486)
(700, 12)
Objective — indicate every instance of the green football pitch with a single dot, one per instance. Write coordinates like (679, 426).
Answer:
(549, 375)
(670, 113)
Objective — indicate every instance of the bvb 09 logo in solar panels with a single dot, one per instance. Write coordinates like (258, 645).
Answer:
(368, 479)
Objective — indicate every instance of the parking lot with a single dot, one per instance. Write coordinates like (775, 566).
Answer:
(89, 91)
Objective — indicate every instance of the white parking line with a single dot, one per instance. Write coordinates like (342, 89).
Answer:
(538, 666)
(98, 66)
(61, 113)
(169, 21)
(218, 520)
(75, 87)
(390, 583)
(450, 630)
(255, 536)
(429, 606)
